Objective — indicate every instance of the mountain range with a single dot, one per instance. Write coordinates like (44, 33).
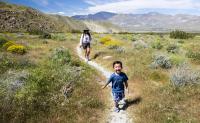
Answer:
(18, 18)
(152, 21)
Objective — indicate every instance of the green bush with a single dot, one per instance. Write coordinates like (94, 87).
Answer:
(46, 35)
(193, 52)
(18, 49)
(177, 59)
(172, 48)
(2, 41)
(61, 55)
(33, 31)
(177, 34)
(194, 55)
(157, 45)
(59, 37)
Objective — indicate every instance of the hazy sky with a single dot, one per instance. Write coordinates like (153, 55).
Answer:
(74, 7)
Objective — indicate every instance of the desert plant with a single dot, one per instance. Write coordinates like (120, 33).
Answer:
(161, 60)
(172, 48)
(180, 41)
(18, 49)
(46, 35)
(177, 59)
(59, 37)
(183, 75)
(193, 52)
(61, 55)
(140, 44)
(2, 41)
(105, 39)
(116, 48)
(157, 45)
(194, 55)
(177, 34)
(8, 44)
(35, 31)
(113, 43)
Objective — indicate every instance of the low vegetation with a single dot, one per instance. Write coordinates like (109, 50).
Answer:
(163, 75)
(49, 86)
(177, 34)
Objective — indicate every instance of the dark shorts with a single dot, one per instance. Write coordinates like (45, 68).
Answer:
(86, 45)
(117, 96)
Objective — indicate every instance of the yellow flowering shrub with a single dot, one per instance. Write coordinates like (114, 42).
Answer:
(18, 49)
(8, 44)
(105, 39)
(113, 43)
(109, 42)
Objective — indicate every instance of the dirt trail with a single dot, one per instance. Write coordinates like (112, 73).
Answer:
(122, 116)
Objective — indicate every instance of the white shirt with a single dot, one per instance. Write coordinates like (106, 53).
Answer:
(85, 38)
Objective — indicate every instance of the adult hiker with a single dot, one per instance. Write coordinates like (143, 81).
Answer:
(85, 41)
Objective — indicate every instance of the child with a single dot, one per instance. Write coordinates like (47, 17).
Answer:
(85, 41)
(119, 80)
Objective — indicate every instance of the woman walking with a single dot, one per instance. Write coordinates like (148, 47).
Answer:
(85, 42)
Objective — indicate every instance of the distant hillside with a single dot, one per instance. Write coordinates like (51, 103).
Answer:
(149, 22)
(97, 17)
(15, 18)
(102, 27)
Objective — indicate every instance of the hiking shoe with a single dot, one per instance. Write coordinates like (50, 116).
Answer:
(116, 110)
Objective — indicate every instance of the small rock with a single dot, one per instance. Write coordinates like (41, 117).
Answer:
(107, 57)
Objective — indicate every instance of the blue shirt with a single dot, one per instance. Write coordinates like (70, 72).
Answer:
(118, 81)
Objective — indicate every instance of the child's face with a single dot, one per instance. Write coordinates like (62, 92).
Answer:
(117, 68)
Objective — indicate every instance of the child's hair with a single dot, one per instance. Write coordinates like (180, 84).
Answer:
(117, 62)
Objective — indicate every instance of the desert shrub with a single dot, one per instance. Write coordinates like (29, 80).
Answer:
(61, 55)
(33, 31)
(161, 60)
(193, 52)
(180, 41)
(10, 61)
(184, 75)
(18, 49)
(158, 76)
(8, 44)
(105, 39)
(157, 45)
(2, 41)
(116, 48)
(140, 44)
(193, 55)
(177, 34)
(113, 43)
(75, 31)
(59, 37)
(177, 59)
(133, 39)
(46, 35)
(172, 48)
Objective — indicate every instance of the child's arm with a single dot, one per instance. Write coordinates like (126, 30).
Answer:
(126, 85)
(109, 80)
(105, 84)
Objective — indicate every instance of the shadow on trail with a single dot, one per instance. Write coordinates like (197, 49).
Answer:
(131, 102)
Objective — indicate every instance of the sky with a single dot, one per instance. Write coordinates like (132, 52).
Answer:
(82, 7)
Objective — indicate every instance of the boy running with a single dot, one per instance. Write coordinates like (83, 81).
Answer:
(119, 80)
